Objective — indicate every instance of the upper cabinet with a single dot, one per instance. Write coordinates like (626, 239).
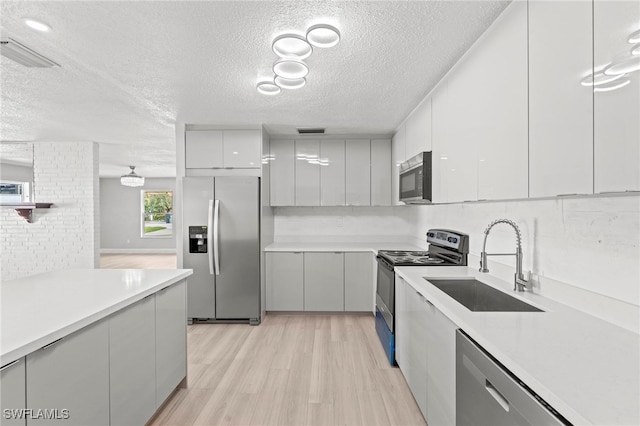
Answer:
(282, 173)
(229, 149)
(560, 109)
(418, 130)
(398, 155)
(307, 166)
(617, 97)
(358, 178)
(381, 168)
(332, 173)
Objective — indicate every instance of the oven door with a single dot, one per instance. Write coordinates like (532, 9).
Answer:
(385, 292)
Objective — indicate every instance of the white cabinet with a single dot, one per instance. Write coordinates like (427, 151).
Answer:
(282, 169)
(560, 109)
(440, 143)
(358, 282)
(72, 374)
(242, 149)
(307, 173)
(358, 176)
(323, 282)
(616, 112)
(398, 155)
(381, 168)
(204, 149)
(214, 149)
(171, 339)
(12, 393)
(132, 363)
(285, 281)
(332, 173)
(441, 368)
(401, 331)
(418, 133)
(417, 348)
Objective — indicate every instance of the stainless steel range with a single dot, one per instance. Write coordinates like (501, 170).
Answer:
(446, 248)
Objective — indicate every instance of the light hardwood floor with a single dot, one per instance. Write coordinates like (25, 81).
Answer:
(138, 261)
(290, 370)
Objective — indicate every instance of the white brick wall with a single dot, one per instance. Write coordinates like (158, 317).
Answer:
(68, 234)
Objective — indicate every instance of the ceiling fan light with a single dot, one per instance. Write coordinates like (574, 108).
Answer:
(268, 88)
(291, 46)
(323, 35)
(132, 179)
(290, 68)
(290, 83)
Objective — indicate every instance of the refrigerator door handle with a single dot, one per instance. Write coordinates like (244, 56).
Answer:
(210, 236)
(216, 237)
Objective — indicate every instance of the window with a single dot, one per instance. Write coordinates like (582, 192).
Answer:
(15, 192)
(157, 214)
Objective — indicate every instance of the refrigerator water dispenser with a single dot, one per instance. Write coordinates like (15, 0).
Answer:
(197, 239)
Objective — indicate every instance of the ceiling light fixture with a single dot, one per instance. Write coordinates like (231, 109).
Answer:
(291, 46)
(622, 67)
(634, 37)
(132, 179)
(599, 78)
(290, 83)
(268, 88)
(290, 68)
(616, 85)
(37, 25)
(323, 35)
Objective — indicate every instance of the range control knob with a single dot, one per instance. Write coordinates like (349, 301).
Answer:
(431, 234)
(452, 240)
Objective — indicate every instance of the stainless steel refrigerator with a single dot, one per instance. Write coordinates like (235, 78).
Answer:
(221, 219)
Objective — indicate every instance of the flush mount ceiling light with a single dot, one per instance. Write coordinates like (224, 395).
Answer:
(290, 68)
(36, 25)
(622, 67)
(132, 179)
(290, 83)
(634, 37)
(323, 35)
(268, 88)
(614, 86)
(291, 46)
(599, 78)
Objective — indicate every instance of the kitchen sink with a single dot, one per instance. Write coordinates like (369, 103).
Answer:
(479, 297)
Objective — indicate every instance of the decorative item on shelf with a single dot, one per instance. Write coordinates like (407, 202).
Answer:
(25, 210)
(132, 179)
(290, 71)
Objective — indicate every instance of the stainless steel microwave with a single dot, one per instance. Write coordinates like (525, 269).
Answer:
(415, 179)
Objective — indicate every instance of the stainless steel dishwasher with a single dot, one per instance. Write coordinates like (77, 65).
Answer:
(487, 394)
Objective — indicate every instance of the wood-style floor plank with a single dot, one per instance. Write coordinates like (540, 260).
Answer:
(290, 370)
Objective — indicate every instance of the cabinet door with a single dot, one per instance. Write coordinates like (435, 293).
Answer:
(282, 167)
(616, 110)
(171, 339)
(307, 173)
(381, 172)
(323, 282)
(72, 374)
(398, 155)
(132, 363)
(419, 129)
(12, 393)
(285, 281)
(204, 149)
(332, 173)
(440, 143)
(560, 109)
(242, 149)
(417, 348)
(441, 368)
(359, 285)
(358, 181)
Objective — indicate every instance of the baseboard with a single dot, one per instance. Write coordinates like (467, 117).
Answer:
(138, 251)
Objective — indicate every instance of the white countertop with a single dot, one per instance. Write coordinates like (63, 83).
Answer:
(338, 246)
(586, 368)
(40, 309)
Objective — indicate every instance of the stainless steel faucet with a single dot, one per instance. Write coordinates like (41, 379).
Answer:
(520, 283)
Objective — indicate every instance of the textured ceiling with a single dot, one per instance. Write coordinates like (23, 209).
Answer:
(131, 70)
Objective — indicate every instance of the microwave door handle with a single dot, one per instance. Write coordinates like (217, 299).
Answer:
(210, 237)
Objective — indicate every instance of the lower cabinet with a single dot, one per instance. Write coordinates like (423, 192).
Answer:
(12, 393)
(426, 354)
(71, 376)
(132, 366)
(171, 339)
(320, 281)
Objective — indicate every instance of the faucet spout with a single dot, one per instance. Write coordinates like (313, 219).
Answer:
(520, 283)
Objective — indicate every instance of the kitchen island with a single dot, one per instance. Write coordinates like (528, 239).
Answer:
(92, 346)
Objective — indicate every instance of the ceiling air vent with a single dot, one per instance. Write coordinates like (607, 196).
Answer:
(311, 131)
(23, 55)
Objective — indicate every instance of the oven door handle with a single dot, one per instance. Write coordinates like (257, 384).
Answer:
(382, 261)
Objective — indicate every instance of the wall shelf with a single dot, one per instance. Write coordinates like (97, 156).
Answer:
(25, 210)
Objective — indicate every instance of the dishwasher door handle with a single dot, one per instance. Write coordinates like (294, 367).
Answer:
(496, 395)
